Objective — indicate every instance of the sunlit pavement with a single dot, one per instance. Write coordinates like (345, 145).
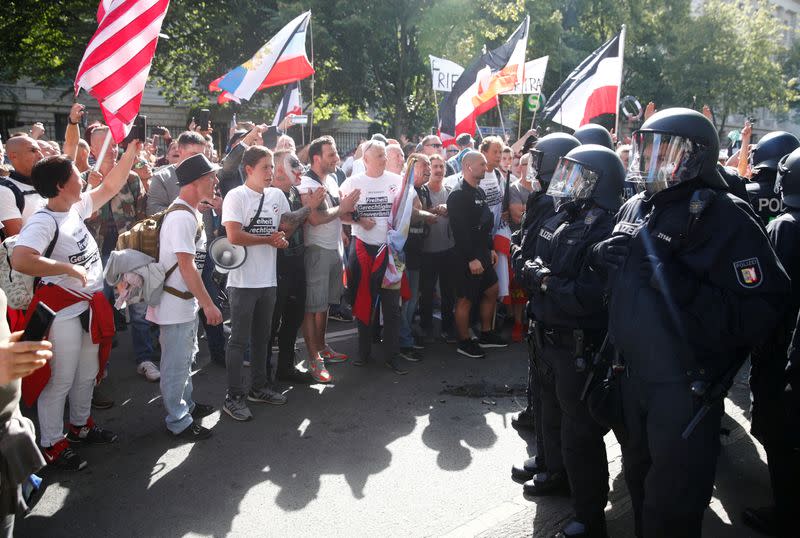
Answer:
(372, 454)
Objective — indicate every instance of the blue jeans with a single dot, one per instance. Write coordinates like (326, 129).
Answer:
(178, 348)
(141, 334)
(408, 308)
(214, 334)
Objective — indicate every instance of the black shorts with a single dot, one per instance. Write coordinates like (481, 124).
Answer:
(471, 287)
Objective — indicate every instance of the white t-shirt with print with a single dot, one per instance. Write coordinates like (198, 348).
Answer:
(240, 205)
(75, 245)
(8, 203)
(178, 234)
(375, 201)
(327, 235)
(491, 186)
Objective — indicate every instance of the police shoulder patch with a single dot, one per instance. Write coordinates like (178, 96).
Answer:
(748, 272)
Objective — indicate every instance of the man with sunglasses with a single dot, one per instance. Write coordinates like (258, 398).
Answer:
(693, 284)
(431, 145)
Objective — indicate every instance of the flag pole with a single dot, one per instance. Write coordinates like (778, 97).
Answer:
(621, 67)
(103, 150)
(519, 123)
(500, 113)
(436, 106)
(311, 118)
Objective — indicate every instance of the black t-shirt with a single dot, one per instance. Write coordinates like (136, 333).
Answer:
(471, 221)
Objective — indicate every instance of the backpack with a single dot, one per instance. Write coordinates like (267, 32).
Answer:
(19, 287)
(19, 198)
(145, 236)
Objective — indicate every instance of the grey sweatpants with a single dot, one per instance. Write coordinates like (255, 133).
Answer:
(251, 322)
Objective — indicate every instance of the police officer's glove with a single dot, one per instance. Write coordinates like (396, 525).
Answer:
(534, 273)
(610, 253)
(670, 278)
(517, 261)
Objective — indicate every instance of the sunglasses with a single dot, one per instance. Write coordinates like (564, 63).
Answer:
(437, 146)
(139, 165)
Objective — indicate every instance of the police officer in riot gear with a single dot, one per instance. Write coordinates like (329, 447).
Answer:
(764, 160)
(696, 282)
(569, 324)
(592, 133)
(772, 415)
(539, 207)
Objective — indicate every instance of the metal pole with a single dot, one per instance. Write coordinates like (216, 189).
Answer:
(311, 116)
(103, 151)
(621, 64)
(500, 113)
(519, 123)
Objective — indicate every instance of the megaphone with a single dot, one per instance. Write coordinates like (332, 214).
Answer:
(226, 255)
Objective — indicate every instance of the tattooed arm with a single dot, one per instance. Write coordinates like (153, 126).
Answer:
(290, 221)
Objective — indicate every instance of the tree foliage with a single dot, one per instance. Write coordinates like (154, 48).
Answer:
(372, 57)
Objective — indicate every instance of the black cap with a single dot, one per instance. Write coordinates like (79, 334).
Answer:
(194, 168)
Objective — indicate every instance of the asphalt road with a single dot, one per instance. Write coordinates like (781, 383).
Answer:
(373, 454)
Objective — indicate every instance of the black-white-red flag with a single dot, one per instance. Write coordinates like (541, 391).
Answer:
(493, 73)
(591, 89)
(290, 103)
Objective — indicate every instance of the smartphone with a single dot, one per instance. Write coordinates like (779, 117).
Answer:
(270, 137)
(138, 131)
(158, 130)
(300, 120)
(204, 119)
(39, 324)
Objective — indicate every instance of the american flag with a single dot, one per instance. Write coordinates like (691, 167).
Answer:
(117, 61)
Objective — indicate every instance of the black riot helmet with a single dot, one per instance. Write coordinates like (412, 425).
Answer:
(673, 146)
(589, 172)
(592, 133)
(772, 148)
(545, 155)
(787, 183)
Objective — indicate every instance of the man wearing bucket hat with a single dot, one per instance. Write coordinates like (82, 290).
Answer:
(180, 241)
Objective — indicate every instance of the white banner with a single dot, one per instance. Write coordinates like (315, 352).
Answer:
(444, 73)
(534, 76)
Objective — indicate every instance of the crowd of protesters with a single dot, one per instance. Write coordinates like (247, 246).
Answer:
(309, 222)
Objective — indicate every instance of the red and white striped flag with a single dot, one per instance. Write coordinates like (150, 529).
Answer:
(117, 60)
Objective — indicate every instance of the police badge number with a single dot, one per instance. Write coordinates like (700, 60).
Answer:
(748, 272)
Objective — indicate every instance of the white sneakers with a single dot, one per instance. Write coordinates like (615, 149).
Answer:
(149, 370)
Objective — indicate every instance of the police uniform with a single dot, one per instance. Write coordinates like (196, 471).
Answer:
(538, 208)
(571, 319)
(762, 197)
(699, 289)
(772, 421)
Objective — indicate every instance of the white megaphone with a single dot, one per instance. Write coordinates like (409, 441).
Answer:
(226, 255)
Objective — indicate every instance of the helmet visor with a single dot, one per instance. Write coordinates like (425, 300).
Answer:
(571, 181)
(660, 160)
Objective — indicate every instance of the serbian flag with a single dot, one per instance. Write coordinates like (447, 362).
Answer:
(281, 61)
(117, 60)
(477, 89)
(592, 88)
(290, 104)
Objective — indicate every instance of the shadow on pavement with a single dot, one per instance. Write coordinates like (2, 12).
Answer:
(343, 430)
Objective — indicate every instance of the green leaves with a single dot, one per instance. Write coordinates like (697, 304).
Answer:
(372, 57)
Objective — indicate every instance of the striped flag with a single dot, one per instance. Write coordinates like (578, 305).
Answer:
(117, 61)
(280, 61)
(591, 89)
(477, 89)
(290, 103)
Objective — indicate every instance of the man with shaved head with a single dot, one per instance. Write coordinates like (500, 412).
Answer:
(472, 222)
(18, 199)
